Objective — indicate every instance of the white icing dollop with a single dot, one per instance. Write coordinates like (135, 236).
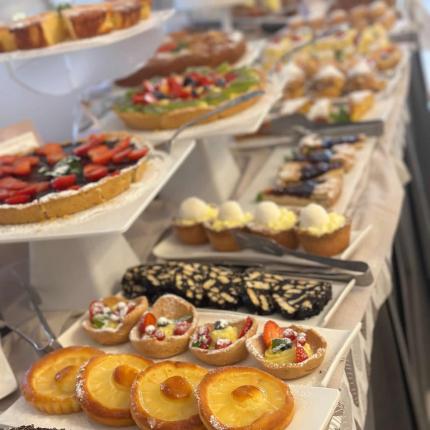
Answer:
(231, 211)
(329, 71)
(267, 213)
(193, 208)
(361, 68)
(313, 215)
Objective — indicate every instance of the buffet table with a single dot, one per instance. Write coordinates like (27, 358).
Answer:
(383, 183)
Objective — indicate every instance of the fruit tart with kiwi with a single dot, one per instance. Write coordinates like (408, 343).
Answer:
(169, 102)
(163, 396)
(242, 398)
(223, 342)
(57, 180)
(165, 330)
(49, 385)
(103, 387)
(111, 319)
(288, 352)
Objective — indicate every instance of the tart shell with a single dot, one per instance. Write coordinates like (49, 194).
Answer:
(277, 420)
(318, 344)
(145, 420)
(172, 307)
(191, 234)
(232, 354)
(287, 238)
(110, 337)
(326, 245)
(222, 241)
(47, 403)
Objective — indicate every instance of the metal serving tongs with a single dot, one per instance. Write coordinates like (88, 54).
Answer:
(52, 343)
(167, 144)
(358, 270)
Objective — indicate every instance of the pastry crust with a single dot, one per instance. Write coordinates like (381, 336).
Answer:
(103, 387)
(287, 238)
(67, 203)
(7, 39)
(59, 368)
(328, 244)
(318, 344)
(232, 354)
(182, 399)
(222, 241)
(242, 399)
(191, 234)
(172, 307)
(125, 13)
(120, 335)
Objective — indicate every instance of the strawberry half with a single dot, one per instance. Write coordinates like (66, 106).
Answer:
(17, 199)
(94, 172)
(121, 145)
(271, 331)
(22, 167)
(137, 154)
(246, 327)
(147, 319)
(121, 156)
(7, 159)
(100, 154)
(63, 182)
(10, 183)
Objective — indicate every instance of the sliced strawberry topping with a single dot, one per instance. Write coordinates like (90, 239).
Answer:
(271, 331)
(33, 160)
(147, 319)
(63, 182)
(121, 145)
(7, 159)
(246, 327)
(167, 47)
(55, 157)
(52, 151)
(91, 142)
(10, 183)
(6, 170)
(100, 154)
(137, 154)
(121, 156)
(22, 167)
(17, 199)
(4, 194)
(94, 172)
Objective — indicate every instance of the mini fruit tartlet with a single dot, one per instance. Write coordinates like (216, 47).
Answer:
(230, 217)
(275, 223)
(323, 233)
(188, 226)
(223, 342)
(166, 330)
(111, 319)
(288, 353)
(328, 82)
(243, 398)
(163, 396)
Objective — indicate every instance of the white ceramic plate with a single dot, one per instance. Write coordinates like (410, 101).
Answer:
(8, 382)
(267, 176)
(314, 409)
(172, 249)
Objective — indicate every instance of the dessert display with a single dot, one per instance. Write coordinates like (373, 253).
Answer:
(58, 180)
(71, 23)
(163, 396)
(217, 287)
(275, 223)
(359, 104)
(189, 224)
(103, 387)
(169, 102)
(223, 342)
(49, 385)
(323, 233)
(111, 319)
(328, 82)
(184, 49)
(244, 398)
(288, 352)
(230, 217)
(166, 330)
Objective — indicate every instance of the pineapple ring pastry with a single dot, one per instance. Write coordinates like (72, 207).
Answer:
(163, 397)
(49, 385)
(103, 387)
(242, 398)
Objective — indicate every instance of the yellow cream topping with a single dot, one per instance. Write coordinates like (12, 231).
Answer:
(229, 333)
(286, 221)
(219, 224)
(335, 222)
(285, 357)
(210, 214)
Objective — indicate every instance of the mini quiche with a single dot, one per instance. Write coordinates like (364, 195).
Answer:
(169, 102)
(111, 319)
(223, 342)
(166, 330)
(288, 353)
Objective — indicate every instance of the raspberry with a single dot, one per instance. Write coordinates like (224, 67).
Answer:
(301, 354)
(181, 328)
(159, 334)
(290, 333)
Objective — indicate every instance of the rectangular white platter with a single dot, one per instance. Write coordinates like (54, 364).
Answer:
(172, 249)
(115, 216)
(267, 175)
(246, 121)
(314, 409)
(314, 404)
